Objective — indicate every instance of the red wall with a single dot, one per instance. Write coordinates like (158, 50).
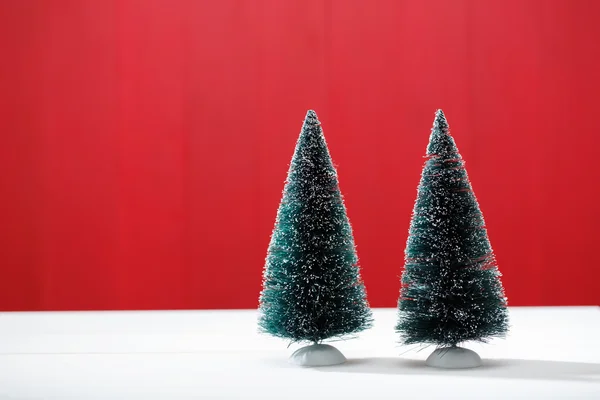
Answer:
(144, 144)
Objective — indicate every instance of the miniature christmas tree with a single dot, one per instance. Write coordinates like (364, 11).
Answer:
(451, 290)
(312, 289)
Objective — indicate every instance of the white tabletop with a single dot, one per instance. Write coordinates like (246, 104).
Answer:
(551, 353)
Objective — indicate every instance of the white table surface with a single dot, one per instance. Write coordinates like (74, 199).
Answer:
(551, 353)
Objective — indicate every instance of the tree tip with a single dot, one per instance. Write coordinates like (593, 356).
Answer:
(311, 118)
(440, 121)
(440, 141)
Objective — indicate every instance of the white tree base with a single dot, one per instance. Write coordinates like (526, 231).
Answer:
(453, 357)
(317, 355)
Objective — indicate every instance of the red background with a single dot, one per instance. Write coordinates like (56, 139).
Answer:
(144, 144)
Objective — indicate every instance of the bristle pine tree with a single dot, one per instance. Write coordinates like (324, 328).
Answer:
(451, 290)
(312, 289)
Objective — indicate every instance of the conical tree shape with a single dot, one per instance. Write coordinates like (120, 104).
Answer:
(451, 290)
(312, 289)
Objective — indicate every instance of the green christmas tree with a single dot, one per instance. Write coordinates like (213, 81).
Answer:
(312, 289)
(451, 291)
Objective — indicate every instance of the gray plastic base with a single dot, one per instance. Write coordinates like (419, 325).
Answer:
(453, 357)
(317, 355)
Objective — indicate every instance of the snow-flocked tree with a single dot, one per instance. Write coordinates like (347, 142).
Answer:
(451, 290)
(312, 288)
